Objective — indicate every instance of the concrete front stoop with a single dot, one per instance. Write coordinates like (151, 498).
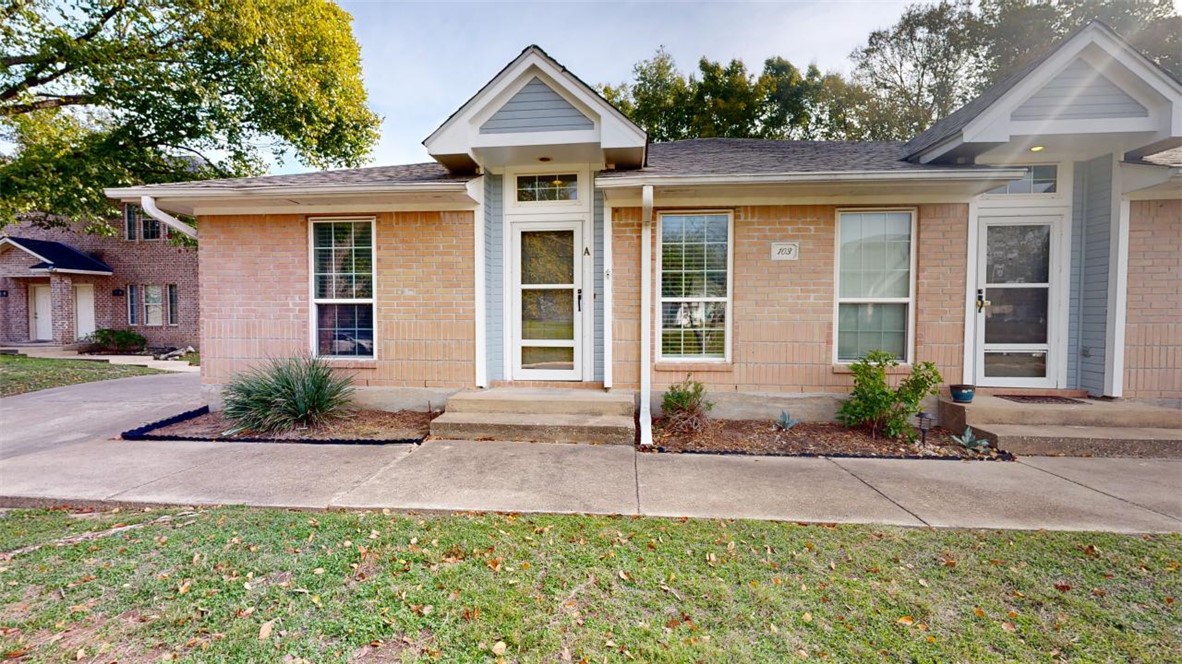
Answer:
(539, 415)
(1092, 428)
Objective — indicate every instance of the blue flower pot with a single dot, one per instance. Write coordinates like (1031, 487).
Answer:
(962, 393)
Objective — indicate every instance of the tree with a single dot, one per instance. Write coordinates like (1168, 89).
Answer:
(658, 99)
(790, 99)
(916, 68)
(98, 93)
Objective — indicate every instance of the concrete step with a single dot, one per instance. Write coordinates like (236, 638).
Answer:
(533, 427)
(986, 410)
(543, 401)
(1059, 440)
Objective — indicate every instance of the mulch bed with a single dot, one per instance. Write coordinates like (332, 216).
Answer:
(374, 425)
(762, 437)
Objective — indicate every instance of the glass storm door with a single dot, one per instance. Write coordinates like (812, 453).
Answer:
(548, 299)
(1016, 303)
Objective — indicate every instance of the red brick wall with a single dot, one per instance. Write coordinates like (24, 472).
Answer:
(155, 262)
(1153, 326)
(256, 301)
(783, 310)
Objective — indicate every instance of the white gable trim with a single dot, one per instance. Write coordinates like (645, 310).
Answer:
(994, 124)
(7, 241)
(455, 136)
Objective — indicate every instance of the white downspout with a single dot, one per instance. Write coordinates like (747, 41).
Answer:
(476, 193)
(608, 296)
(148, 204)
(646, 307)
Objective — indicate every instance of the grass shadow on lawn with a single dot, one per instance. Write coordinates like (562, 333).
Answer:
(272, 585)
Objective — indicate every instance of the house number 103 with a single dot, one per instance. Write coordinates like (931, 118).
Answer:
(785, 251)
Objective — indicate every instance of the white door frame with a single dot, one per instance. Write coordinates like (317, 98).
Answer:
(36, 316)
(582, 301)
(1057, 303)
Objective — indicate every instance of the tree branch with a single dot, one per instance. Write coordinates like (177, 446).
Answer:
(13, 110)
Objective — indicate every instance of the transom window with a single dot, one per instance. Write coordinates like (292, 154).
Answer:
(537, 188)
(695, 285)
(874, 285)
(342, 291)
(1038, 180)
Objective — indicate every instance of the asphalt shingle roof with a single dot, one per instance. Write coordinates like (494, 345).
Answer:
(375, 175)
(745, 156)
(1165, 158)
(59, 255)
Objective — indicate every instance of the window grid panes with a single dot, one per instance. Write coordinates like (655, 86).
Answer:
(151, 228)
(1037, 180)
(343, 289)
(133, 317)
(153, 305)
(695, 281)
(874, 283)
(131, 221)
(536, 188)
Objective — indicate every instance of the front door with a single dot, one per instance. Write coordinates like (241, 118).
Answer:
(1017, 302)
(40, 313)
(83, 310)
(547, 301)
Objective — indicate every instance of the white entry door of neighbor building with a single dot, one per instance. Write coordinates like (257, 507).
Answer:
(40, 313)
(1019, 302)
(548, 301)
(83, 310)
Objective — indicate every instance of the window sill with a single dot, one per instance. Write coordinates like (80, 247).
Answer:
(350, 363)
(694, 367)
(900, 370)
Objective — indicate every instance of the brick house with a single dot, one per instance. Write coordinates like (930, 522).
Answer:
(1031, 240)
(60, 284)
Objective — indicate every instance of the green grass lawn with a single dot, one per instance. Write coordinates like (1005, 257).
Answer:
(240, 585)
(20, 374)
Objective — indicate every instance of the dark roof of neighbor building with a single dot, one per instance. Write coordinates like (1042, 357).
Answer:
(58, 255)
(1171, 157)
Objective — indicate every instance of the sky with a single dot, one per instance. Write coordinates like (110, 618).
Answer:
(422, 61)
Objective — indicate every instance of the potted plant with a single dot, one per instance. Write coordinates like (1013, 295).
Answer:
(962, 393)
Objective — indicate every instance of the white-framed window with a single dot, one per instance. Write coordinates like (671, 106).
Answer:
(1039, 179)
(153, 305)
(695, 267)
(131, 221)
(133, 304)
(553, 187)
(343, 287)
(875, 283)
(151, 228)
(174, 313)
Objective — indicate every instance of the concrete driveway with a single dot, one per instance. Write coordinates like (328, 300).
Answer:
(58, 448)
(49, 419)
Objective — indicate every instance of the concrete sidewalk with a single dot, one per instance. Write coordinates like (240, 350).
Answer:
(1121, 495)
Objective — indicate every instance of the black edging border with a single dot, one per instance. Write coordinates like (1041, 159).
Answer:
(145, 433)
(1002, 455)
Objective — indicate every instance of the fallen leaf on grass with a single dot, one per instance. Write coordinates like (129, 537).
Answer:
(499, 648)
(905, 620)
(1062, 587)
(979, 612)
(1008, 626)
(807, 617)
(265, 630)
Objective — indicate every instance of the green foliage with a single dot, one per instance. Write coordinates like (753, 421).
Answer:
(101, 93)
(685, 406)
(286, 393)
(786, 421)
(874, 404)
(117, 341)
(969, 440)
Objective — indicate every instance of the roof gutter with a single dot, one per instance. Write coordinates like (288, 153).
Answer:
(148, 204)
(214, 191)
(930, 175)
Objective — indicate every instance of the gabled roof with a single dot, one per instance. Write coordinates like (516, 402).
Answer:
(402, 174)
(953, 126)
(57, 256)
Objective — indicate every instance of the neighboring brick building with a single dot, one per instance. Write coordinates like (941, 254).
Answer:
(60, 284)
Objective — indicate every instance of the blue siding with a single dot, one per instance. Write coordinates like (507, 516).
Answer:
(494, 266)
(597, 269)
(536, 107)
(1079, 92)
(1091, 234)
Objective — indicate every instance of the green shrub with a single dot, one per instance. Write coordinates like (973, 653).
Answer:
(685, 405)
(117, 341)
(877, 406)
(284, 394)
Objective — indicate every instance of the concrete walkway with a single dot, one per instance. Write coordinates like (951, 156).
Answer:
(59, 447)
